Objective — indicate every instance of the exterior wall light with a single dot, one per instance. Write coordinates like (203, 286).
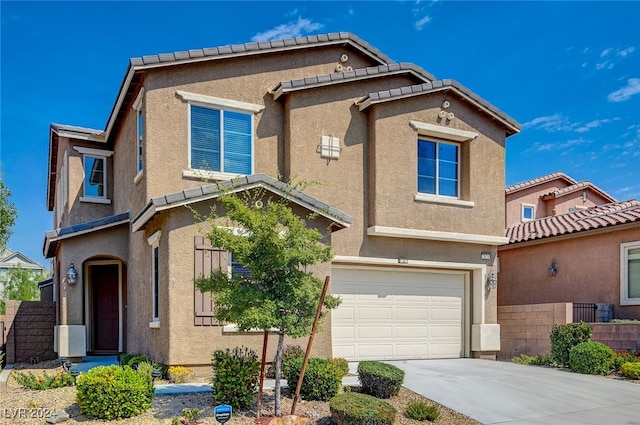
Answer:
(553, 268)
(492, 281)
(403, 260)
(72, 274)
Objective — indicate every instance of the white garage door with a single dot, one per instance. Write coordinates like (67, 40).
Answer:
(397, 314)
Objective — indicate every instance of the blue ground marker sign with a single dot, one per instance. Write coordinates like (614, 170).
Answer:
(222, 413)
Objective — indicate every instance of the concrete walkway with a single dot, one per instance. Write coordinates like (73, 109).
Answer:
(508, 393)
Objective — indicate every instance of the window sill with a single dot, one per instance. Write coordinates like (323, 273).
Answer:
(208, 175)
(154, 324)
(93, 200)
(630, 301)
(138, 177)
(434, 199)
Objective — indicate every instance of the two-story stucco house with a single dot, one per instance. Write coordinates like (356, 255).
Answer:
(411, 199)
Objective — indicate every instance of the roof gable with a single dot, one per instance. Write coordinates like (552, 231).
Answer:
(583, 185)
(598, 217)
(213, 191)
(558, 175)
(509, 123)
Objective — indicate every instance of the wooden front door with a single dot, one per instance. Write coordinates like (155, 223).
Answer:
(106, 312)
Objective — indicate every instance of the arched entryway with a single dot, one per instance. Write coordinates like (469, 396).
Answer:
(105, 302)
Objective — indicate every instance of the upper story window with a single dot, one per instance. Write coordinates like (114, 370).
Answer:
(630, 273)
(438, 168)
(528, 212)
(94, 184)
(138, 107)
(221, 140)
(221, 136)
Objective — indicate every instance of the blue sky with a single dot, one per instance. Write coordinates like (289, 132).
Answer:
(568, 71)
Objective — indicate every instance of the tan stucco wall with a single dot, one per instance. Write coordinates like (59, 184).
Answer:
(588, 271)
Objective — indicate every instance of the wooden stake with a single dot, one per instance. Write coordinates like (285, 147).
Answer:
(262, 367)
(306, 354)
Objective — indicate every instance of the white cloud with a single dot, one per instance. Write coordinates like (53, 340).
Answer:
(594, 124)
(559, 146)
(288, 30)
(422, 22)
(555, 122)
(293, 12)
(620, 95)
(626, 51)
(606, 52)
(586, 49)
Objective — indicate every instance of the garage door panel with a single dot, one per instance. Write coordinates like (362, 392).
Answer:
(397, 315)
(412, 332)
(375, 332)
(379, 313)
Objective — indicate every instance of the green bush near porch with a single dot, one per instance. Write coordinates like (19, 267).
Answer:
(114, 392)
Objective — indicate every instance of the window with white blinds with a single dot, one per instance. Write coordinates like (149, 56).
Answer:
(630, 273)
(221, 140)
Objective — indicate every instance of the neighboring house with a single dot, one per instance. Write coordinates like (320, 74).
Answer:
(553, 194)
(411, 199)
(13, 259)
(581, 246)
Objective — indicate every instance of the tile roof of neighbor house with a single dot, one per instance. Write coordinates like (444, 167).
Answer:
(538, 180)
(348, 76)
(53, 237)
(598, 217)
(211, 191)
(585, 184)
(435, 86)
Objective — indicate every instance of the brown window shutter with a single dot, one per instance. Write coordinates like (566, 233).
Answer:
(206, 259)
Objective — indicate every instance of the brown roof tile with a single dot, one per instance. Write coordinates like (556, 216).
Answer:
(597, 217)
(533, 182)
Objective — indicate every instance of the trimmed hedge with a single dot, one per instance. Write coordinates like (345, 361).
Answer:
(235, 376)
(321, 379)
(361, 409)
(379, 379)
(631, 370)
(113, 392)
(591, 358)
(564, 337)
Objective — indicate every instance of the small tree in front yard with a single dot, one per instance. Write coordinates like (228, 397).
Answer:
(21, 284)
(275, 246)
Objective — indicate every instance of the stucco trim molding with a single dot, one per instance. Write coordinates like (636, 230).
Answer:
(400, 232)
(443, 200)
(443, 132)
(218, 101)
(93, 152)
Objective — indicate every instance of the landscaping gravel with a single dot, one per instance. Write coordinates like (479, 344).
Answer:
(23, 406)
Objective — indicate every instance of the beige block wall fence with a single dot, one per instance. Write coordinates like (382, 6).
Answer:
(526, 329)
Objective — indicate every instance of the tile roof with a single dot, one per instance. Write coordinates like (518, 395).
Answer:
(212, 191)
(586, 184)
(53, 237)
(598, 217)
(435, 86)
(538, 180)
(260, 47)
(356, 74)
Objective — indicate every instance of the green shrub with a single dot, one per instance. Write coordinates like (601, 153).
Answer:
(45, 382)
(379, 379)
(631, 370)
(421, 411)
(341, 365)
(321, 379)
(235, 376)
(590, 357)
(523, 359)
(134, 361)
(625, 356)
(113, 392)
(564, 337)
(289, 354)
(124, 358)
(543, 360)
(360, 409)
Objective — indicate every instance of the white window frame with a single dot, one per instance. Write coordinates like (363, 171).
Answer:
(101, 154)
(329, 147)
(139, 108)
(624, 273)
(221, 104)
(523, 207)
(154, 243)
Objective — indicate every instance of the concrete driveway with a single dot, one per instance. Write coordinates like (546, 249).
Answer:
(507, 393)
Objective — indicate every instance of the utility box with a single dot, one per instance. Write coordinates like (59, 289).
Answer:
(604, 312)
